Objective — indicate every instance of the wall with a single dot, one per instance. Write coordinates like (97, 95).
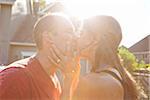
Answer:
(5, 16)
(15, 52)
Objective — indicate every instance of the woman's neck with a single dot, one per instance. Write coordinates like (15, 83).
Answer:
(105, 64)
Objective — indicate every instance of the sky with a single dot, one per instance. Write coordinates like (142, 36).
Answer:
(133, 15)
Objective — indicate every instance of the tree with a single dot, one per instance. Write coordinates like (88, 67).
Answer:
(42, 4)
(130, 62)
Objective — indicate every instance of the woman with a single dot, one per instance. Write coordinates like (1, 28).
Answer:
(108, 80)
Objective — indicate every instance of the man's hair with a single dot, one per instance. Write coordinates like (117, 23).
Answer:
(48, 23)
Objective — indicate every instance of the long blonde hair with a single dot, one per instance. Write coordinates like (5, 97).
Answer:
(110, 34)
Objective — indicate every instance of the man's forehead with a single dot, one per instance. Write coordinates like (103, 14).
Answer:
(65, 26)
(59, 23)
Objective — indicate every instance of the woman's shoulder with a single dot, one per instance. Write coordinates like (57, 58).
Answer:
(100, 78)
(103, 84)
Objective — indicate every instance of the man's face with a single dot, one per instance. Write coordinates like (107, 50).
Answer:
(63, 37)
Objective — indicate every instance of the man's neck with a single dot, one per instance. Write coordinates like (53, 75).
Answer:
(45, 63)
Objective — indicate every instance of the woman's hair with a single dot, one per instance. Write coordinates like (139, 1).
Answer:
(110, 35)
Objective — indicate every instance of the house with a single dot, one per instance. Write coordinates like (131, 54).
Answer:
(21, 43)
(142, 49)
(17, 19)
(16, 30)
(5, 18)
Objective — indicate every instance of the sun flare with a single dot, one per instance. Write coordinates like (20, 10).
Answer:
(86, 8)
(81, 8)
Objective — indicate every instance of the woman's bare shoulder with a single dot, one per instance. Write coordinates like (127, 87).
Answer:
(103, 84)
(101, 79)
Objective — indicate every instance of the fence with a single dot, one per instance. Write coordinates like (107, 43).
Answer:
(143, 79)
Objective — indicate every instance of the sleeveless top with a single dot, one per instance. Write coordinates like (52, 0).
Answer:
(118, 77)
(112, 73)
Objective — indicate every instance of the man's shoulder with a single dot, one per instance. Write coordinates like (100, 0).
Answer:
(15, 81)
(16, 69)
(20, 63)
(17, 64)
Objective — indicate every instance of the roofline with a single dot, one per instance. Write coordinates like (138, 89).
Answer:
(144, 52)
(22, 44)
(45, 10)
(7, 2)
(139, 41)
(49, 7)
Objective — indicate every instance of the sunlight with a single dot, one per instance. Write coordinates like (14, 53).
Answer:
(82, 8)
(127, 12)
(86, 8)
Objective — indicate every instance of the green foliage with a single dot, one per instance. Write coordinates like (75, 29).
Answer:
(130, 61)
(42, 4)
(147, 65)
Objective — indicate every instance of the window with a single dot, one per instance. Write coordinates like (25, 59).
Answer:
(145, 56)
(2, 67)
(85, 67)
(20, 6)
(26, 54)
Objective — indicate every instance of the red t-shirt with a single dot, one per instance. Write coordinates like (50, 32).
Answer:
(27, 80)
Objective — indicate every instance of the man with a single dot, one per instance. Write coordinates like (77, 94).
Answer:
(34, 78)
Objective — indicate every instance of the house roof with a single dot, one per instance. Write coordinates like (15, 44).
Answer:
(53, 7)
(141, 46)
(22, 25)
(10, 2)
(23, 32)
